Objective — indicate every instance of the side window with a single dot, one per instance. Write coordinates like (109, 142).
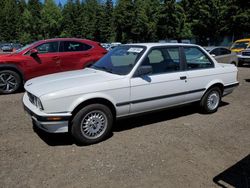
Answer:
(196, 59)
(163, 60)
(72, 46)
(215, 51)
(224, 51)
(155, 56)
(49, 47)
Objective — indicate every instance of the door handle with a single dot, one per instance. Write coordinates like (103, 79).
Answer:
(183, 77)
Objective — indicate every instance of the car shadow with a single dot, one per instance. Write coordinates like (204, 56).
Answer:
(61, 139)
(237, 176)
(247, 80)
(158, 116)
(51, 139)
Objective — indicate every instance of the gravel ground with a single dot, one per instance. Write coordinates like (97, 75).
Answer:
(172, 148)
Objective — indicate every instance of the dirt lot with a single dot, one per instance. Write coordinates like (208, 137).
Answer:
(173, 148)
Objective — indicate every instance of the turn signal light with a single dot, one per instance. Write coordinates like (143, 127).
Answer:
(54, 118)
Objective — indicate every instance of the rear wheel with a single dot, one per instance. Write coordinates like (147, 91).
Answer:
(211, 100)
(240, 64)
(92, 124)
(10, 81)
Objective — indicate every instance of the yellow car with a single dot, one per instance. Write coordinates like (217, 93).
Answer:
(240, 45)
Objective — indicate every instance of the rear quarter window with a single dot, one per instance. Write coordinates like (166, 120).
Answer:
(197, 59)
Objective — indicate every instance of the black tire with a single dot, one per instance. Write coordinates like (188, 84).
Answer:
(211, 100)
(240, 64)
(7, 87)
(234, 63)
(92, 122)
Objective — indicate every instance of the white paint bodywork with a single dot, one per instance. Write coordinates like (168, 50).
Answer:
(61, 93)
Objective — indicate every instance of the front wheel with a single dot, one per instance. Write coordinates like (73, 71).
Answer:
(10, 82)
(211, 100)
(92, 124)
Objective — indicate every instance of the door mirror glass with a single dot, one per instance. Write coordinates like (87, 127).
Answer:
(33, 51)
(144, 70)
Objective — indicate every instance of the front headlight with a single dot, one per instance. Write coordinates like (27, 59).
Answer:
(35, 100)
(39, 104)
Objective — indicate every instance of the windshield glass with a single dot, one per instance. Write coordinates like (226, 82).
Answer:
(120, 60)
(24, 47)
(239, 45)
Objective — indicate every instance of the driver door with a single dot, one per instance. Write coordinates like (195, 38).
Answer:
(46, 61)
(164, 87)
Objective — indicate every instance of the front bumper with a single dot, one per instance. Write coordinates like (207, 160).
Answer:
(244, 59)
(43, 120)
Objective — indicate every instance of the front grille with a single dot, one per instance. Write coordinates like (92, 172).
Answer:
(31, 98)
(246, 53)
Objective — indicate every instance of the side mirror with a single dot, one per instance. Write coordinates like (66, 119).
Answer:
(143, 70)
(213, 55)
(33, 51)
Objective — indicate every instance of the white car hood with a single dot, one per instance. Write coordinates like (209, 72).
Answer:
(56, 82)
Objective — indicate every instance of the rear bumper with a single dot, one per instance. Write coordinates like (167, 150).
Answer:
(43, 121)
(229, 88)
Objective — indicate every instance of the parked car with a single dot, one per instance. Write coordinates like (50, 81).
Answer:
(223, 55)
(129, 80)
(240, 45)
(46, 57)
(7, 48)
(244, 57)
(10, 47)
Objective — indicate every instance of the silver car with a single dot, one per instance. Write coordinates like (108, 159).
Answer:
(223, 55)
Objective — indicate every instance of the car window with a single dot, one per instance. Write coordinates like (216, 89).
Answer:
(49, 47)
(224, 51)
(239, 45)
(215, 52)
(196, 59)
(120, 60)
(163, 60)
(73, 46)
(155, 56)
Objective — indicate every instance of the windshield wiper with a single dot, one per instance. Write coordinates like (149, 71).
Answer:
(102, 68)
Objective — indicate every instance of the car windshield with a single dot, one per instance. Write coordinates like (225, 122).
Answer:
(238, 45)
(24, 47)
(120, 60)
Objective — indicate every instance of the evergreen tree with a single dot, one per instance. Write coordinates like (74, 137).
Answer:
(70, 16)
(236, 21)
(35, 7)
(51, 18)
(106, 22)
(9, 20)
(124, 16)
(171, 22)
(25, 35)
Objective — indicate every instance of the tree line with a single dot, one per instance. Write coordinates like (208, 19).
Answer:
(124, 20)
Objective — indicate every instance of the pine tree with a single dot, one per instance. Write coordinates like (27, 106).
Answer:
(9, 20)
(35, 7)
(25, 35)
(105, 22)
(69, 19)
(51, 18)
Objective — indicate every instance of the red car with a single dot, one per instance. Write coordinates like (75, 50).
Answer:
(46, 57)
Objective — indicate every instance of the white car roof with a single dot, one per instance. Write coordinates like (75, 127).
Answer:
(149, 45)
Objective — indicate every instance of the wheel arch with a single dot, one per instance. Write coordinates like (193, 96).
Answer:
(13, 68)
(218, 84)
(97, 100)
